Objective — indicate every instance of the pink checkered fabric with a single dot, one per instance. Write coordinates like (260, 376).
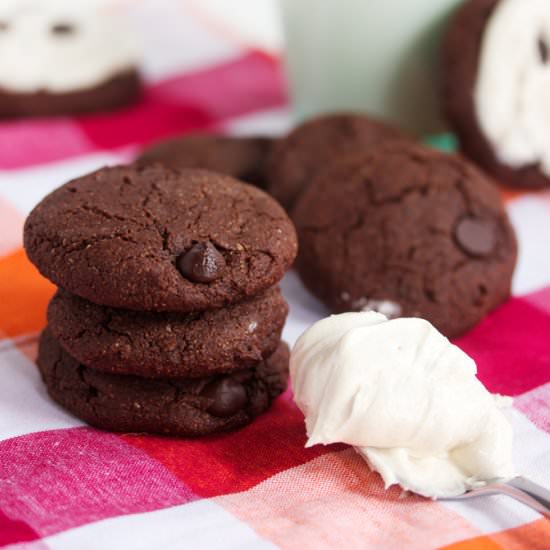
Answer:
(64, 485)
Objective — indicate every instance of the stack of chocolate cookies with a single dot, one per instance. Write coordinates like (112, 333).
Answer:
(168, 318)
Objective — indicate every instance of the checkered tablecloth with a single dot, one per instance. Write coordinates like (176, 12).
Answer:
(64, 485)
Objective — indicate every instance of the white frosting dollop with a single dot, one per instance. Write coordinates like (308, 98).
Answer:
(512, 90)
(93, 45)
(406, 398)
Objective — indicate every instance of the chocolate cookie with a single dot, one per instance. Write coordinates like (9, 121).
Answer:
(65, 58)
(296, 158)
(116, 92)
(495, 87)
(168, 344)
(182, 407)
(409, 232)
(243, 158)
(154, 239)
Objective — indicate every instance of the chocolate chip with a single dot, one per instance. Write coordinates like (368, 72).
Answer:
(476, 237)
(228, 395)
(201, 264)
(63, 29)
(544, 51)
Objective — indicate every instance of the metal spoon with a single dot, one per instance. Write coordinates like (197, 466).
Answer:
(519, 488)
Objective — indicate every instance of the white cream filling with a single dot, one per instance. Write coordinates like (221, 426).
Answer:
(406, 398)
(36, 58)
(512, 91)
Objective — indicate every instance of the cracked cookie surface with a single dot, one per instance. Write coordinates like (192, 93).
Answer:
(241, 157)
(115, 237)
(409, 232)
(164, 344)
(182, 407)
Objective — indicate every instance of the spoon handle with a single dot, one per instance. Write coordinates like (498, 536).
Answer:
(529, 493)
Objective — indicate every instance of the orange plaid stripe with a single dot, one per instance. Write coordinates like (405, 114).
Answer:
(24, 295)
(532, 536)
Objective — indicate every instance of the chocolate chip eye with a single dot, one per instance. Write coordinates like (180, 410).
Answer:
(544, 50)
(63, 29)
(4, 26)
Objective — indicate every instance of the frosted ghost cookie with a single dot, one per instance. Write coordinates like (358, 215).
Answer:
(61, 57)
(409, 232)
(496, 87)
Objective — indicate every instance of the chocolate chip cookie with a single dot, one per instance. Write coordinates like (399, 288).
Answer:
(495, 63)
(409, 232)
(295, 159)
(153, 239)
(168, 345)
(181, 407)
(243, 158)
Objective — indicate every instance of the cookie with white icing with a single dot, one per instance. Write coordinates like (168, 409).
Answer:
(64, 57)
(496, 87)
